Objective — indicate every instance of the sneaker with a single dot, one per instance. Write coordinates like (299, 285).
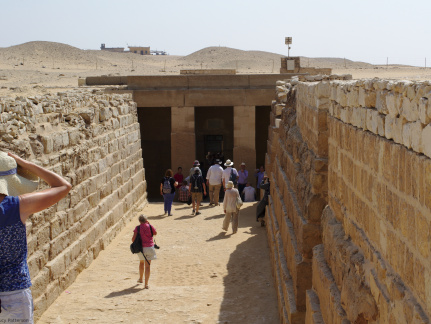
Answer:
(198, 213)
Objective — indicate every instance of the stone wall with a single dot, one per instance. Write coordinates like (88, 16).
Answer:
(92, 139)
(364, 149)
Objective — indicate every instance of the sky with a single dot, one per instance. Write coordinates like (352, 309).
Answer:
(377, 31)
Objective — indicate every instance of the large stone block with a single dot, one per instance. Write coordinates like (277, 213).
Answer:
(426, 140)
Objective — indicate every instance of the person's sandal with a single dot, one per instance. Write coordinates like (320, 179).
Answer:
(146, 287)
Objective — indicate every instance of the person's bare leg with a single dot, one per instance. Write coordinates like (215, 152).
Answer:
(147, 272)
(141, 271)
(198, 203)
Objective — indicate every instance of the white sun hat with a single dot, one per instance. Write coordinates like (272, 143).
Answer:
(14, 182)
(229, 184)
(228, 163)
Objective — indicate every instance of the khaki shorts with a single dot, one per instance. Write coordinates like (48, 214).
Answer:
(197, 196)
(16, 306)
(150, 254)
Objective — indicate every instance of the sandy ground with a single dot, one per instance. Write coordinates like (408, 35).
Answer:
(39, 67)
(202, 275)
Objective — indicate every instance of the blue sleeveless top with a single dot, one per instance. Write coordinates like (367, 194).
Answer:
(14, 274)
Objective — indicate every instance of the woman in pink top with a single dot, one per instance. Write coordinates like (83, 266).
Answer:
(147, 246)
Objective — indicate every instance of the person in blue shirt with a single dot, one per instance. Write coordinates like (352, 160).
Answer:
(259, 174)
(17, 202)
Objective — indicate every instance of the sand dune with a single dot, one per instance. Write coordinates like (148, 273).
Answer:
(48, 66)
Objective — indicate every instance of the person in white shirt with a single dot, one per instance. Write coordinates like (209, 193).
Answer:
(229, 205)
(214, 178)
(229, 174)
(249, 193)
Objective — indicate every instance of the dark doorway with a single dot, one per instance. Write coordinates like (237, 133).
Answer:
(213, 143)
(262, 124)
(214, 133)
(155, 125)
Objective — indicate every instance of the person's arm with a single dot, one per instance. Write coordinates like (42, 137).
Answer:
(175, 182)
(208, 176)
(161, 189)
(34, 202)
(203, 185)
(134, 236)
(154, 230)
(224, 204)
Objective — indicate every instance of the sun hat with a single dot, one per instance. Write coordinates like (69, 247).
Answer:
(217, 161)
(15, 181)
(229, 185)
(243, 163)
(196, 169)
(228, 163)
(196, 163)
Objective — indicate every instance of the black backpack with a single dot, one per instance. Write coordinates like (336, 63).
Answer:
(136, 246)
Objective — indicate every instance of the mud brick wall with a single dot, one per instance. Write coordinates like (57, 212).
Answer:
(92, 139)
(370, 257)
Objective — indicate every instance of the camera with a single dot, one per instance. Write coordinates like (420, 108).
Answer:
(156, 246)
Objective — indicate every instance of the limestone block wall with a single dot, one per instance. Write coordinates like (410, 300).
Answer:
(93, 140)
(297, 166)
(376, 229)
(373, 262)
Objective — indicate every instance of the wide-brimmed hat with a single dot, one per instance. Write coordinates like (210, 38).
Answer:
(243, 163)
(228, 163)
(196, 163)
(196, 169)
(217, 161)
(229, 185)
(14, 181)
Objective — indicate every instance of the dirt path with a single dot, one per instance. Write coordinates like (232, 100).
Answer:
(202, 275)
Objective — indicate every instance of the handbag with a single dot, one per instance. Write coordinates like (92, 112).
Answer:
(136, 246)
(239, 203)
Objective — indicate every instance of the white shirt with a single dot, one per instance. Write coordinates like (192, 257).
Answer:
(229, 201)
(214, 174)
(226, 174)
(249, 194)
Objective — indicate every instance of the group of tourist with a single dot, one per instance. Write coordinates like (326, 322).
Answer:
(18, 200)
(195, 187)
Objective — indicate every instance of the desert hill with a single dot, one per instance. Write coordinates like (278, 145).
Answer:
(48, 66)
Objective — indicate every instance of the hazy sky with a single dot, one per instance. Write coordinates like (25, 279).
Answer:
(365, 30)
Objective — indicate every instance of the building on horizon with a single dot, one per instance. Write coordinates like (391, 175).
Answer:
(111, 49)
(140, 50)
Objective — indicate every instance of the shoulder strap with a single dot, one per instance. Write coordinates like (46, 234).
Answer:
(151, 229)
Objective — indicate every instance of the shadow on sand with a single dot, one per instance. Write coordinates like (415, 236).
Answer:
(127, 291)
(249, 292)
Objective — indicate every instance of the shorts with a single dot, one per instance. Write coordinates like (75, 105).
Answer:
(150, 254)
(16, 307)
(197, 196)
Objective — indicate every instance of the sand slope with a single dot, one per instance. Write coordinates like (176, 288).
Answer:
(39, 66)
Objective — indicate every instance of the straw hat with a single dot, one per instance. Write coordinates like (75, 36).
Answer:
(196, 163)
(12, 183)
(228, 163)
(229, 185)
